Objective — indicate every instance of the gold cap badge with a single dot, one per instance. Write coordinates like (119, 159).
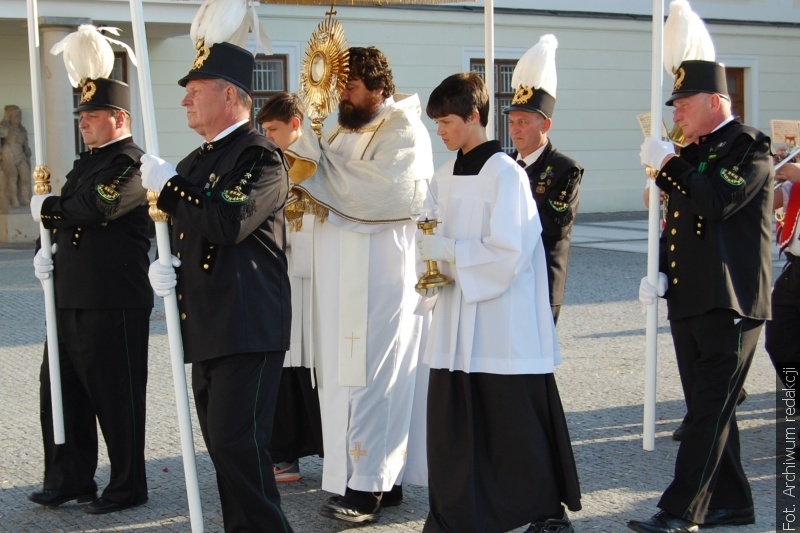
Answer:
(203, 52)
(680, 74)
(522, 95)
(89, 88)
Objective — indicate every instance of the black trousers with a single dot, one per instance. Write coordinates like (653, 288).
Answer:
(103, 359)
(235, 398)
(714, 352)
(783, 331)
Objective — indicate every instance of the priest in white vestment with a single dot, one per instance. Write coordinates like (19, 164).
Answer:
(359, 182)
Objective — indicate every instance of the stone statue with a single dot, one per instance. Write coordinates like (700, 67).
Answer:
(15, 158)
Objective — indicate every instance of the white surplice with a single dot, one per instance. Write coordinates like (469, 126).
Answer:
(499, 272)
(299, 257)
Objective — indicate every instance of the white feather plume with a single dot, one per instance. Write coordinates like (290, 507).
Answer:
(88, 53)
(537, 67)
(685, 37)
(229, 21)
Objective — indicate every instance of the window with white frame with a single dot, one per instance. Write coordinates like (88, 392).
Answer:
(269, 77)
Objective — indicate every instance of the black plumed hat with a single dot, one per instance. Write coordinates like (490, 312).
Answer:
(104, 93)
(225, 61)
(697, 76)
(535, 79)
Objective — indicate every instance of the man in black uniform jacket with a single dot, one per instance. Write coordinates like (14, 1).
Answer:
(226, 201)
(103, 304)
(555, 178)
(715, 271)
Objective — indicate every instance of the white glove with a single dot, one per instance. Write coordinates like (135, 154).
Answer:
(36, 205)
(163, 278)
(43, 266)
(436, 248)
(648, 293)
(654, 151)
(427, 293)
(156, 172)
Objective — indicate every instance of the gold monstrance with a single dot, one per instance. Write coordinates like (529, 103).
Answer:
(324, 72)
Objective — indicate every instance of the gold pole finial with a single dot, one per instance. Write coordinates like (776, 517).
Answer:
(41, 180)
(155, 213)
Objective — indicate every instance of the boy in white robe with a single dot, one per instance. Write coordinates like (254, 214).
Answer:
(499, 454)
(297, 430)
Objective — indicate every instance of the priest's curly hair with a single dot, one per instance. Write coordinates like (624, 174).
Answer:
(371, 67)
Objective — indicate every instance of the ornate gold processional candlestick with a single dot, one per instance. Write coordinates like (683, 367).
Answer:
(425, 211)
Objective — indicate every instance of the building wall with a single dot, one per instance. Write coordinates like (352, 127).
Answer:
(603, 66)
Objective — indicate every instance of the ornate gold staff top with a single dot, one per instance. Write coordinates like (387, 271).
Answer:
(41, 180)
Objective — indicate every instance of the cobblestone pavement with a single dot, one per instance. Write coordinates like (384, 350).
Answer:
(602, 336)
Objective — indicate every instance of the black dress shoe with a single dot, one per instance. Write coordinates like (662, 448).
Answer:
(103, 506)
(53, 498)
(663, 522)
(339, 508)
(729, 517)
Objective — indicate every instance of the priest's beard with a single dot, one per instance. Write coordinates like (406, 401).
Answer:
(354, 117)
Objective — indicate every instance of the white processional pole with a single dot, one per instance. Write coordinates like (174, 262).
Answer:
(165, 258)
(488, 38)
(653, 226)
(41, 179)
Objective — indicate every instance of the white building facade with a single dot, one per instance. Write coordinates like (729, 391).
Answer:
(603, 65)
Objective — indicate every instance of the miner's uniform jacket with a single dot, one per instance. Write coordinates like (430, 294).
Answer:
(228, 231)
(716, 245)
(100, 225)
(555, 181)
